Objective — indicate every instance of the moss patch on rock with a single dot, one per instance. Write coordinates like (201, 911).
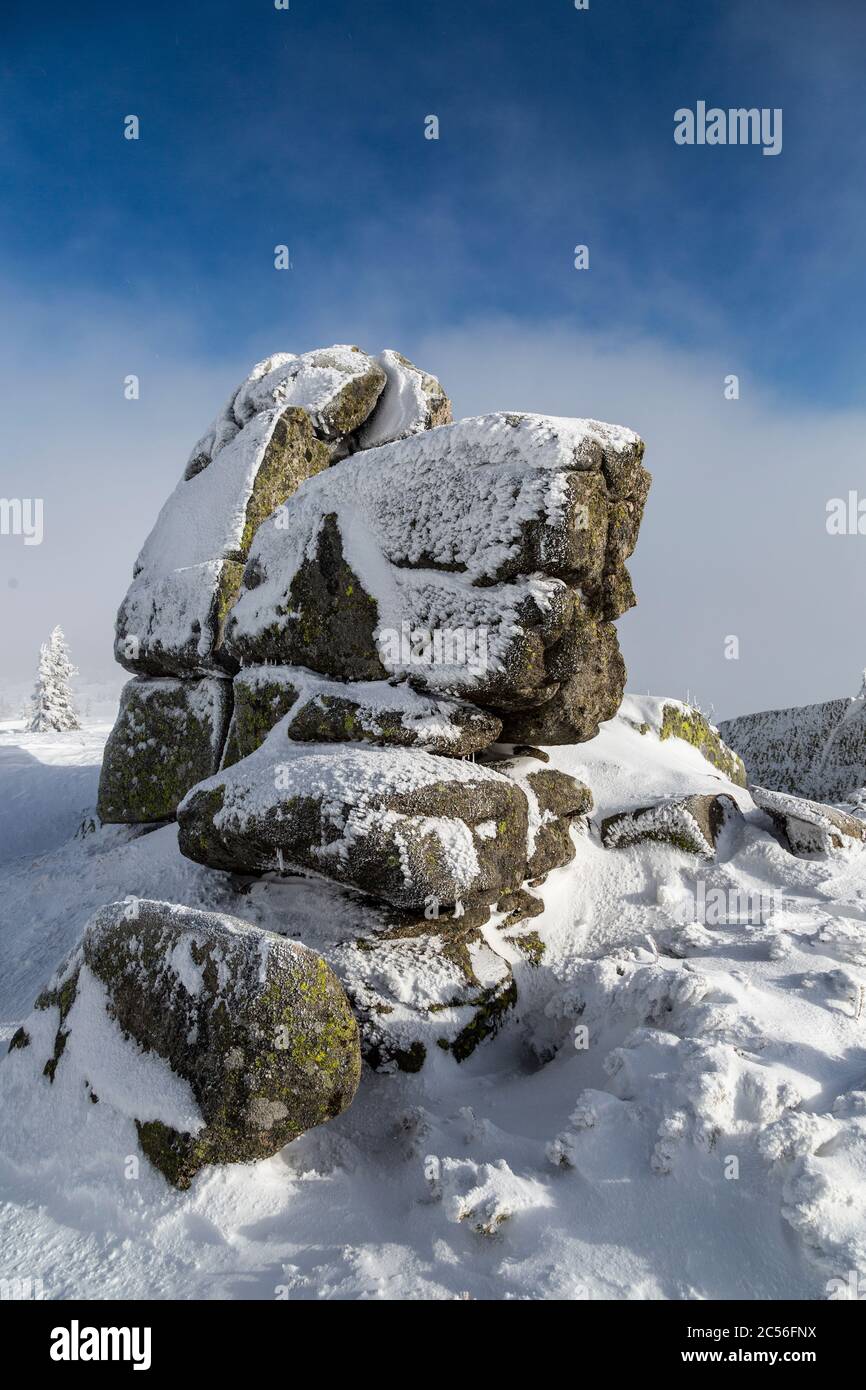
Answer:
(169, 735)
(258, 1026)
(691, 726)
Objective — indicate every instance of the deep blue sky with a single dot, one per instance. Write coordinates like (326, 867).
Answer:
(306, 127)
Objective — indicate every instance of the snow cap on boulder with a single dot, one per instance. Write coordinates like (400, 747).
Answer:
(398, 823)
(290, 418)
(475, 560)
(222, 1041)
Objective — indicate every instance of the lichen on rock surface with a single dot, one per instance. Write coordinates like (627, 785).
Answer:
(390, 714)
(494, 578)
(681, 721)
(556, 801)
(257, 1027)
(168, 735)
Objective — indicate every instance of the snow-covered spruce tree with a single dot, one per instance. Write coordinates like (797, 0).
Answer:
(51, 709)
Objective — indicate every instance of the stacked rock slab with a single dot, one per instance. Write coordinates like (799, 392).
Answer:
(482, 561)
(418, 603)
(292, 417)
(381, 606)
(404, 825)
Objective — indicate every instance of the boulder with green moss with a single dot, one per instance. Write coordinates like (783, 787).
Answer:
(325, 711)
(168, 736)
(681, 721)
(399, 824)
(693, 824)
(248, 1038)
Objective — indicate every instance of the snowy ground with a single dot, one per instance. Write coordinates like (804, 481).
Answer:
(708, 1142)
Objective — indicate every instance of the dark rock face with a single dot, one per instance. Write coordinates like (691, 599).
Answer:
(257, 1026)
(168, 736)
(590, 673)
(692, 824)
(808, 827)
(556, 801)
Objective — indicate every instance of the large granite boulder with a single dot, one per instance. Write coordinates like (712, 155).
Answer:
(400, 824)
(169, 735)
(248, 1038)
(479, 560)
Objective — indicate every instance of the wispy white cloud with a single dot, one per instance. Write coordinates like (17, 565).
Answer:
(733, 543)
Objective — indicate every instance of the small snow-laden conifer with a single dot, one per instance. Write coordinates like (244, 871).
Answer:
(51, 708)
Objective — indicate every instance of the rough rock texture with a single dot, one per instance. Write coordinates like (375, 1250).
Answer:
(463, 986)
(189, 570)
(169, 735)
(291, 418)
(807, 827)
(495, 579)
(556, 801)
(400, 824)
(393, 595)
(324, 711)
(257, 1027)
(814, 751)
(692, 824)
(588, 664)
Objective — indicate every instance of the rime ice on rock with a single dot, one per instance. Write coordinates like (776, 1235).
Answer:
(326, 711)
(398, 823)
(812, 751)
(373, 597)
(484, 560)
